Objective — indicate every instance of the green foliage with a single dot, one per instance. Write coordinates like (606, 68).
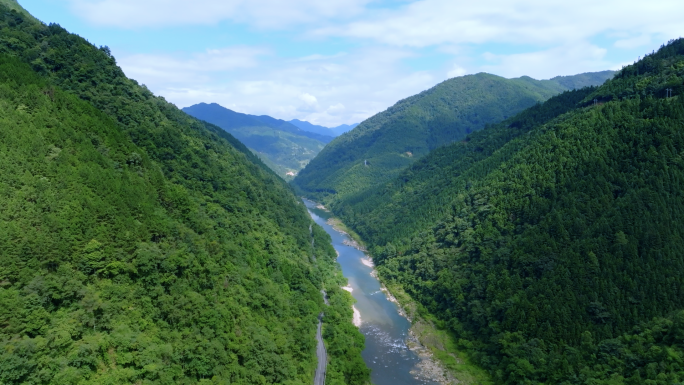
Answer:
(421, 194)
(542, 241)
(576, 232)
(650, 76)
(137, 244)
(289, 152)
(14, 5)
(381, 147)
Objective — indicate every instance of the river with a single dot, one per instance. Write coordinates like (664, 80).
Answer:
(386, 353)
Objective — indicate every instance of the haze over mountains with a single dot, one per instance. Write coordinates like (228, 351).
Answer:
(332, 131)
(286, 147)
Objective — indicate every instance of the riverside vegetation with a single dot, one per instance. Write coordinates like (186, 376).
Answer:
(140, 245)
(550, 244)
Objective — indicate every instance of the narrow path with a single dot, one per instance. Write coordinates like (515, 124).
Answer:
(319, 378)
(321, 354)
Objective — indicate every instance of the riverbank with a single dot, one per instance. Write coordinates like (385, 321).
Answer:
(354, 239)
(436, 346)
(422, 341)
(440, 360)
(342, 346)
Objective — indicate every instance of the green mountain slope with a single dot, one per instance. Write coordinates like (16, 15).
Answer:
(421, 195)
(578, 81)
(283, 146)
(14, 5)
(380, 147)
(551, 244)
(140, 245)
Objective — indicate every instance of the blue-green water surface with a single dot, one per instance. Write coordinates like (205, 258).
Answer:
(386, 353)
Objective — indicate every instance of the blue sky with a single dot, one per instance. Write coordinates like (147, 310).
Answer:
(341, 61)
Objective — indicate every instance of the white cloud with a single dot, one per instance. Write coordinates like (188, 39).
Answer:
(199, 67)
(316, 57)
(262, 13)
(541, 39)
(564, 60)
(310, 103)
(336, 109)
(329, 91)
(633, 42)
(456, 70)
(437, 22)
(308, 99)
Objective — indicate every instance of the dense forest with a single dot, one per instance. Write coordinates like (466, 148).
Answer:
(382, 146)
(551, 244)
(140, 245)
(422, 193)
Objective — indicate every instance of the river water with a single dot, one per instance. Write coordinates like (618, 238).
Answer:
(386, 353)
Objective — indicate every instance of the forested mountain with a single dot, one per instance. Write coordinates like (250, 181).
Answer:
(383, 145)
(411, 203)
(333, 131)
(284, 147)
(587, 79)
(140, 245)
(551, 243)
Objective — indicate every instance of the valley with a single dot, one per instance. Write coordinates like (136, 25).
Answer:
(480, 230)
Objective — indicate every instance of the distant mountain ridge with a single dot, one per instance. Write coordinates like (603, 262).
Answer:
(586, 79)
(334, 131)
(230, 119)
(283, 146)
(381, 146)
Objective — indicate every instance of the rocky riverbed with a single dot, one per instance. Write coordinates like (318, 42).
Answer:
(429, 367)
(348, 241)
(383, 322)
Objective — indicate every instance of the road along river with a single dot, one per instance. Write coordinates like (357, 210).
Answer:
(386, 331)
(319, 378)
